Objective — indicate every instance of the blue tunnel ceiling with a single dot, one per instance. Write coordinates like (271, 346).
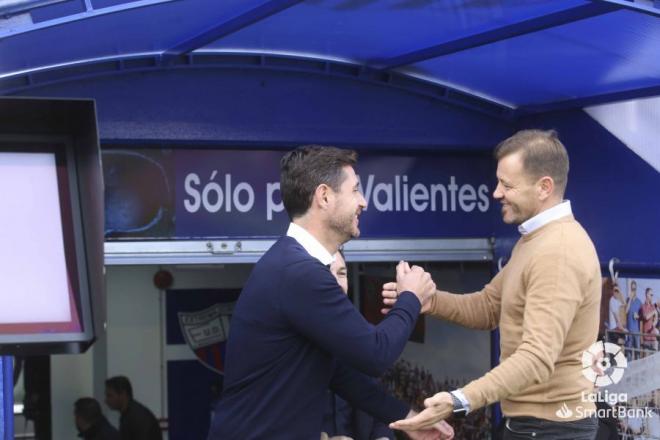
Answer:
(507, 58)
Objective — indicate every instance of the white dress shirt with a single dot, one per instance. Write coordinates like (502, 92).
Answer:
(545, 217)
(310, 244)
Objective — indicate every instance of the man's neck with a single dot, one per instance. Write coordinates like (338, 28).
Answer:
(319, 232)
(549, 204)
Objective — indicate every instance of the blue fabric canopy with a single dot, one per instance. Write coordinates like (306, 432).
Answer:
(512, 56)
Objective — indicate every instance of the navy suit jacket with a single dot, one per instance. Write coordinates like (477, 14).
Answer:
(293, 334)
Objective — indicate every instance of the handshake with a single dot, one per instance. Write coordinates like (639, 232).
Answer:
(409, 279)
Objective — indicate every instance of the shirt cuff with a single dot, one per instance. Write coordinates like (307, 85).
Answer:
(460, 396)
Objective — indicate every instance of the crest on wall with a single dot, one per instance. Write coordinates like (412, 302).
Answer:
(206, 331)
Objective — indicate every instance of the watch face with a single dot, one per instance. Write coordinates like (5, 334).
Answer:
(459, 410)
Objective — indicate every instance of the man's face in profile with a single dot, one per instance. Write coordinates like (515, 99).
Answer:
(113, 399)
(349, 203)
(338, 269)
(515, 190)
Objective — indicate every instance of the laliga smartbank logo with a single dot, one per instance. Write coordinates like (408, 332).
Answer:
(603, 364)
(564, 412)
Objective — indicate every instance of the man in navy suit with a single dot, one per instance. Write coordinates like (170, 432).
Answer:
(294, 333)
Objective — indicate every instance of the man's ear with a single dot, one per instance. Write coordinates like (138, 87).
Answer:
(322, 196)
(545, 187)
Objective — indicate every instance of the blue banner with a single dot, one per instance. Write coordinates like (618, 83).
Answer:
(228, 193)
(201, 194)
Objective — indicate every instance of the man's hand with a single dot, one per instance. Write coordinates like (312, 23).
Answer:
(411, 279)
(438, 408)
(439, 431)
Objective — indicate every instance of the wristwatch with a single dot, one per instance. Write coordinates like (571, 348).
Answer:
(460, 409)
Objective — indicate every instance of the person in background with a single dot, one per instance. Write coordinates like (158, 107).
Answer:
(136, 421)
(633, 306)
(649, 320)
(617, 321)
(90, 421)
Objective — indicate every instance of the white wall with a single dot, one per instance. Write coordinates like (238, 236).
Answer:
(71, 378)
(132, 345)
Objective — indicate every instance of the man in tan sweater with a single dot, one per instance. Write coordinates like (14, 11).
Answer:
(546, 302)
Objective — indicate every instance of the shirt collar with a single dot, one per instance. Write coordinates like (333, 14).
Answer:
(310, 244)
(543, 218)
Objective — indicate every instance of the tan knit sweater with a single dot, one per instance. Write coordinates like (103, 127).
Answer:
(546, 301)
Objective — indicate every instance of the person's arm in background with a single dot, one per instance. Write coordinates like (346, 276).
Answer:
(614, 303)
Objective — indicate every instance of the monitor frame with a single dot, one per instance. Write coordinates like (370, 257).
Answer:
(76, 265)
(67, 128)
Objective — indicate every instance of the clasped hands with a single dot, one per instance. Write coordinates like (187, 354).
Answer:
(412, 279)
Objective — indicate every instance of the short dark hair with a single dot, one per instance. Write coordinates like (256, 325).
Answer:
(120, 384)
(543, 154)
(88, 409)
(305, 168)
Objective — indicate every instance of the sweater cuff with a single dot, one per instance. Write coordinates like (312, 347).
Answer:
(408, 301)
(473, 395)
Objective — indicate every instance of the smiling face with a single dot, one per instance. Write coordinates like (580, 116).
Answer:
(516, 190)
(339, 271)
(347, 205)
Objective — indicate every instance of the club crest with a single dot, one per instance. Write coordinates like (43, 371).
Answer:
(206, 332)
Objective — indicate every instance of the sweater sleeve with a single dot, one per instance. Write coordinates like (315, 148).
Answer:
(552, 296)
(316, 307)
(367, 394)
(479, 310)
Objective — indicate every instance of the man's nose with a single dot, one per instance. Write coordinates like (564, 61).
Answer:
(362, 202)
(497, 194)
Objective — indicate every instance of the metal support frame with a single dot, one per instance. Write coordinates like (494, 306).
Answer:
(501, 33)
(606, 98)
(7, 398)
(13, 7)
(223, 251)
(226, 28)
(89, 13)
(634, 6)
(627, 269)
(213, 60)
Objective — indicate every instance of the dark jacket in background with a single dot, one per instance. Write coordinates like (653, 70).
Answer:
(607, 426)
(101, 430)
(138, 423)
